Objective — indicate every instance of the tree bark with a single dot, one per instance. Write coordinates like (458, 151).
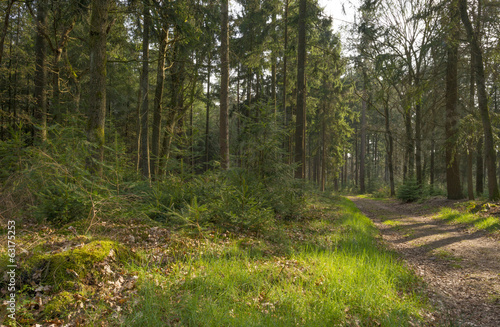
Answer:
(97, 91)
(390, 148)
(273, 66)
(300, 126)
(157, 114)
(479, 167)
(418, 142)
(5, 27)
(362, 148)
(224, 93)
(433, 150)
(144, 164)
(483, 103)
(410, 147)
(286, 113)
(207, 123)
(470, 186)
(40, 92)
(451, 124)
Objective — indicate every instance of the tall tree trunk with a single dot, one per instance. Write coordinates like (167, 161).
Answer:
(356, 155)
(207, 123)
(451, 125)
(362, 148)
(40, 92)
(433, 150)
(273, 66)
(483, 103)
(144, 164)
(300, 126)
(470, 185)
(224, 92)
(418, 142)
(479, 167)
(138, 129)
(410, 147)
(97, 89)
(57, 50)
(5, 27)
(157, 114)
(389, 147)
(286, 113)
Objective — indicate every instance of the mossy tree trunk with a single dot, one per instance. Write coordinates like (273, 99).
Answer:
(97, 85)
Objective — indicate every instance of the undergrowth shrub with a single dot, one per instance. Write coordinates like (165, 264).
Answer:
(242, 206)
(61, 203)
(60, 190)
(51, 183)
(409, 191)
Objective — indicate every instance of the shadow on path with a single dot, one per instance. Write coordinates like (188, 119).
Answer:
(461, 267)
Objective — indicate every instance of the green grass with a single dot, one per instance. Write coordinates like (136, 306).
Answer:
(392, 223)
(478, 220)
(328, 270)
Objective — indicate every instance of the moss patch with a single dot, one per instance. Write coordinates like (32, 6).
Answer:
(77, 264)
(59, 305)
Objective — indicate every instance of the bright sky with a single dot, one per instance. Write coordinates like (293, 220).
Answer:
(334, 8)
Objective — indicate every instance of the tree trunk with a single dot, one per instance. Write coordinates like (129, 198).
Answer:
(300, 126)
(157, 114)
(418, 142)
(479, 167)
(40, 92)
(483, 103)
(410, 147)
(57, 50)
(389, 147)
(356, 155)
(97, 91)
(5, 27)
(286, 113)
(362, 148)
(451, 125)
(224, 92)
(470, 186)
(433, 150)
(207, 122)
(144, 164)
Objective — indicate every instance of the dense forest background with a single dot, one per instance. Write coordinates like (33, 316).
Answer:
(103, 96)
(181, 162)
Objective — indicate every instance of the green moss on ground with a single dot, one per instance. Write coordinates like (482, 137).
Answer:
(63, 269)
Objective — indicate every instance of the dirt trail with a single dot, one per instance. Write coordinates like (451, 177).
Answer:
(460, 266)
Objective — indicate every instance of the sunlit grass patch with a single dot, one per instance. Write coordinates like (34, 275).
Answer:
(478, 220)
(392, 223)
(328, 271)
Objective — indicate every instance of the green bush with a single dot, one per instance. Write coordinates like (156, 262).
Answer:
(241, 206)
(62, 203)
(409, 191)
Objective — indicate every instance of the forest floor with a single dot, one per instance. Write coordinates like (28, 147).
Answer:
(460, 265)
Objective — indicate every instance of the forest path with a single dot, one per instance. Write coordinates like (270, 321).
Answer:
(461, 267)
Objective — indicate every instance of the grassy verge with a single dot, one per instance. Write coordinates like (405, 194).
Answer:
(479, 220)
(325, 270)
